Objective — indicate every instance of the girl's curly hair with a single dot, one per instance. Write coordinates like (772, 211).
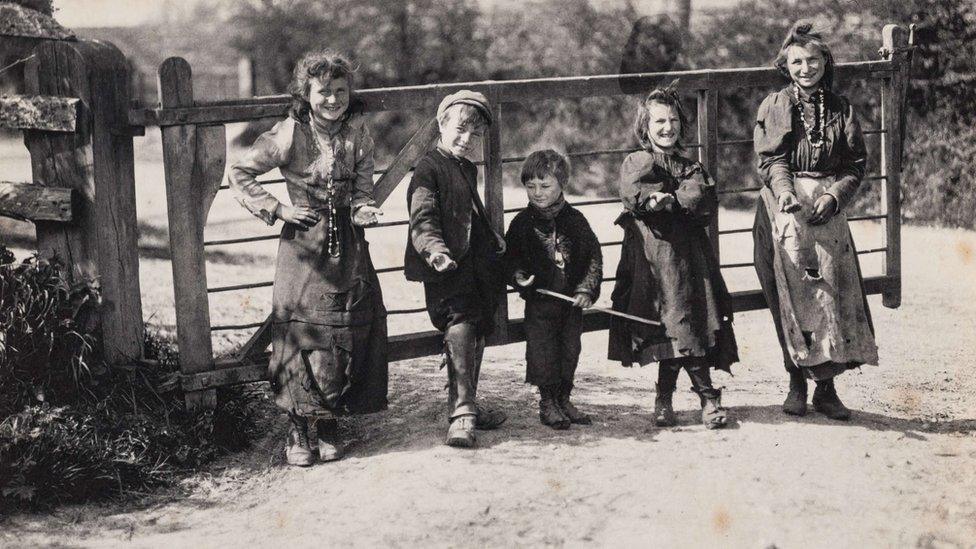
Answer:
(319, 64)
(667, 95)
(802, 34)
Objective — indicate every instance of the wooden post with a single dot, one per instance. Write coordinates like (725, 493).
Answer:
(894, 39)
(97, 161)
(495, 207)
(708, 152)
(193, 161)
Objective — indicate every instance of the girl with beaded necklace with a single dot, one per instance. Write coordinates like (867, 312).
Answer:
(328, 320)
(811, 160)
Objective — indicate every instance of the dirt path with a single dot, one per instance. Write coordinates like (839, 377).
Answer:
(901, 473)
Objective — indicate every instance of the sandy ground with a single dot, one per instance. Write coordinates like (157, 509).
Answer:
(899, 474)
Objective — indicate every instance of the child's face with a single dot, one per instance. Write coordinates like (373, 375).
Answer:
(460, 139)
(329, 98)
(663, 126)
(543, 192)
(806, 65)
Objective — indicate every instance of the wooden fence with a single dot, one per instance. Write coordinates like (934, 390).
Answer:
(194, 151)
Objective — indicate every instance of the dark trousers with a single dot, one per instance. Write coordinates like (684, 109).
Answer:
(552, 341)
(698, 371)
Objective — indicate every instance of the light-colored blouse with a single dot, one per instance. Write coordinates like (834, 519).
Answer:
(346, 156)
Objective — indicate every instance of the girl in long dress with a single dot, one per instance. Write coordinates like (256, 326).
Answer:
(811, 160)
(668, 271)
(329, 324)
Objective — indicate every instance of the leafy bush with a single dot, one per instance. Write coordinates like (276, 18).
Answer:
(73, 428)
(46, 333)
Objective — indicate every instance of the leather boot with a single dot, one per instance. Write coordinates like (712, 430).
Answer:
(299, 451)
(796, 400)
(663, 408)
(826, 401)
(567, 407)
(327, 431)
(714, 416)
(460, 434)
(549, 411)
(460, 344)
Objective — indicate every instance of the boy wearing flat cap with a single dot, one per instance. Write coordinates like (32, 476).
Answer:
(452, 249)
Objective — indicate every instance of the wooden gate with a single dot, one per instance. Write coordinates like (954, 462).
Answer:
(194, 155)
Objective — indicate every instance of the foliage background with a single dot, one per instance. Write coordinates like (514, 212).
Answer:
(426, 41)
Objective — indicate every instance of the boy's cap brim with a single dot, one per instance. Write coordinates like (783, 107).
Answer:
(466, 97)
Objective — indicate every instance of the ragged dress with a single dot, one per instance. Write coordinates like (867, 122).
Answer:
(668, 271)
(810, 273)
(329, 339)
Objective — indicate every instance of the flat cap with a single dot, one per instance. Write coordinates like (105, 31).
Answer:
(466, 97)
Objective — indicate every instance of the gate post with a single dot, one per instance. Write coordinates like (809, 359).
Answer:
(708, 150)
(193, 162)
(894, 48)
(495, 206)
(101, 243)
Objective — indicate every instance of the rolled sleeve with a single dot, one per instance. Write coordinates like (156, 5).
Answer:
(773, 142)
(363, 190)
(635, 190)
(593, 277)
(426, 232)
(268, 152)
(853, 160)
(696, 195)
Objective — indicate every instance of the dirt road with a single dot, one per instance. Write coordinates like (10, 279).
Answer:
(900, 474)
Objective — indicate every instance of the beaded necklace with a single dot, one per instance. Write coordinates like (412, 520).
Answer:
(338, 155)
(814, 127)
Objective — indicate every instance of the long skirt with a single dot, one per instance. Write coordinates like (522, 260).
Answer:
(813, 285)
(670, 274)
(329, 335)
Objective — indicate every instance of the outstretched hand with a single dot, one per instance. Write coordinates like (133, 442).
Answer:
(366, 216)
(303, 216)
(442, 262)
(823, 209)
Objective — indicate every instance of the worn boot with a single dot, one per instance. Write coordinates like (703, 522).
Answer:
(714, 416)
(460, 434)
(663, 408)
(826, 401)
(796, 400)
(549, 411)
(327, 431)
(299, 451)
(461, 349)
(567, 407)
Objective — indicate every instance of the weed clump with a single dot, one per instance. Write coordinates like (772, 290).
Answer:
(75, 429)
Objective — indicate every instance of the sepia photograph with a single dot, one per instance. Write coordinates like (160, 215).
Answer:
(488, 273)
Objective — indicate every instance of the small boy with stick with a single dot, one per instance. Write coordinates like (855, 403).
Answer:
(550, 249)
